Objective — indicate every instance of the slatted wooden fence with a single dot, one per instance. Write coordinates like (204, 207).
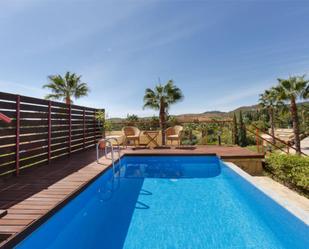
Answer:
(42, 130)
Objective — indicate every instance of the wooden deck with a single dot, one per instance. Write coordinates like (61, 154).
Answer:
(221, 151)
(36, 194)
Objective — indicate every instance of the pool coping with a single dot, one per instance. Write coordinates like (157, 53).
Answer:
(301, 214)
(14, 239)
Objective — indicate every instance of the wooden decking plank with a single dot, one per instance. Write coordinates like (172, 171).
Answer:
(27, 211)
(22, 216)
(29, 206)
(10, 229)
(16, 222)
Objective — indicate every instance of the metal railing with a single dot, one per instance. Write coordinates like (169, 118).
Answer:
(107, 142)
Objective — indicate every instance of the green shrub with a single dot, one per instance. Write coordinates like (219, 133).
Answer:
(187, 141)
(290, 169)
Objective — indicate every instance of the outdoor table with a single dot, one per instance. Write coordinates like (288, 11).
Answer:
(152, 137)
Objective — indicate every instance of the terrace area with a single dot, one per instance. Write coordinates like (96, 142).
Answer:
(48, 157)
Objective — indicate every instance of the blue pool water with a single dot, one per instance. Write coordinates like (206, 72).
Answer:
(171, 202)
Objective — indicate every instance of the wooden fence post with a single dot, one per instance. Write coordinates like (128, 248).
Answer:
(70, 129)
(49, 131)
(84, 129)
(17, 133)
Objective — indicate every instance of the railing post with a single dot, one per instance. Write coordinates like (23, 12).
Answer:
(49, 131)
(84, 128)
(70, 129)
(17, 133)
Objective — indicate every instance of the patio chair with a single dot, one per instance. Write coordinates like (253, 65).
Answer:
(131, 133)
(174, 134)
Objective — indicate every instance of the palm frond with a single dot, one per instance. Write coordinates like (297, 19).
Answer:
(66, 87)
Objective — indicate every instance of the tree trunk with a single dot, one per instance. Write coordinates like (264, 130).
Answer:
(272, 125)
(295, 125)
(67, 100)
(162, 121)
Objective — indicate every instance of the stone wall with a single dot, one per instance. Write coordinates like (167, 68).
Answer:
(252, 166)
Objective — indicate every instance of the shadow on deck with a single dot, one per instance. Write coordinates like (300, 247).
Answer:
(33, 180)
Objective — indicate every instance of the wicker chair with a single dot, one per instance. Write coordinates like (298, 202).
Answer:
(131, 133)
(174, 134)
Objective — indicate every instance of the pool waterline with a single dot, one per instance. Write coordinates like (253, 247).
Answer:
(167, 202)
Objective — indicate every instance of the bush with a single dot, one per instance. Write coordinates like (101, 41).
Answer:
(290, 169)
(187, 141)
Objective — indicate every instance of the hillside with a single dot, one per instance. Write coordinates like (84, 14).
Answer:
(209, 115)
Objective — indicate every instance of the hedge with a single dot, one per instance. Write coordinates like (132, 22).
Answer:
(292, 170)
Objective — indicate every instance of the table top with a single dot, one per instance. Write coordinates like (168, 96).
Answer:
(113, 136)
(151, 131)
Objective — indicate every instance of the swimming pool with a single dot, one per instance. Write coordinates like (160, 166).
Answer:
(170, 202)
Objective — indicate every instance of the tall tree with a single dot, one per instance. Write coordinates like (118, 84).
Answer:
(269, 101)
(242, 133)
(67, 87)
(292, 89)
(161, 98)
(235, 130)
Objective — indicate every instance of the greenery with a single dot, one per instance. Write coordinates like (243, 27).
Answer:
(188, 129)
(269, 101)
(290, 90)
(161, 98)
(292, 170)
(64, 88)
(132, 119)
(172, 121)
(104, 123)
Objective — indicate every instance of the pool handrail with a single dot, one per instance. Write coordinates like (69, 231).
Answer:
(109, 143)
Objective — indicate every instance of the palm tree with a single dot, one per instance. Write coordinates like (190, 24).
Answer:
(290, 90)
(64, 88)
(268, 101)
(160, 98)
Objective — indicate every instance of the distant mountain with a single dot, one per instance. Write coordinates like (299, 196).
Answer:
(245, 109)
(210, 115)
(206, 116)
(256, 107)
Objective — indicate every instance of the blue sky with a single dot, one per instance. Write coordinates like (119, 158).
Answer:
(222, 54)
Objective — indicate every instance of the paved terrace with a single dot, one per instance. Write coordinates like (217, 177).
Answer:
(37, 193)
